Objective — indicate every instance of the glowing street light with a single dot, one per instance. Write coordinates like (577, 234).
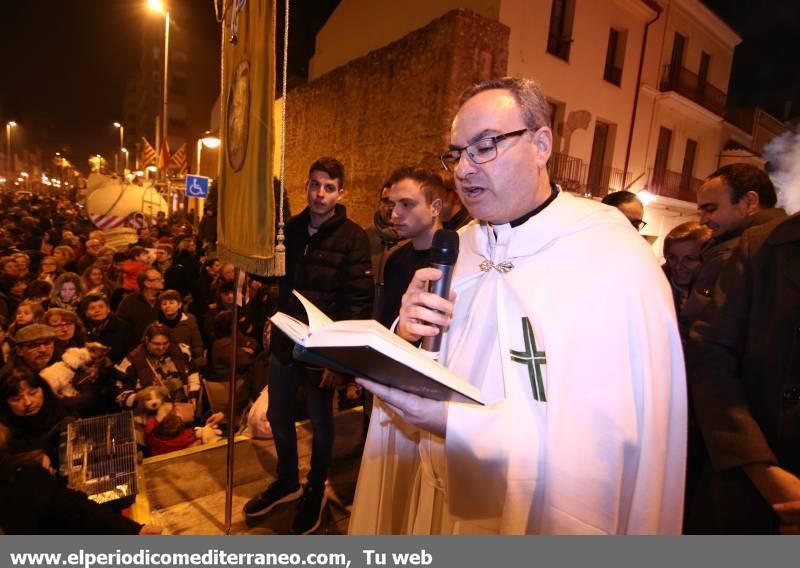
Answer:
(209, 141)
(10, 167)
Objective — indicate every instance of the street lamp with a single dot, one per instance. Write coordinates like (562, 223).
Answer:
(158, 6)
(209, 141)
(121, 136)
(125, 165)
(10, 166)
(27, 180)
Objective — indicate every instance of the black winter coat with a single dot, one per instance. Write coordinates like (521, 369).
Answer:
(332, 269)
(744, 375)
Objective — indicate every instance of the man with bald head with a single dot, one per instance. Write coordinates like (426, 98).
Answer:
(562, 318)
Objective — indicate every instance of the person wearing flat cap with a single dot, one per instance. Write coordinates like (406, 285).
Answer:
(34, 347)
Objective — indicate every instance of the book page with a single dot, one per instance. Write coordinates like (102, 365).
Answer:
(316, 319)
(295, 329)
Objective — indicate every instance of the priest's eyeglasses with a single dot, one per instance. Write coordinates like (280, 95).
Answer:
(480, 151)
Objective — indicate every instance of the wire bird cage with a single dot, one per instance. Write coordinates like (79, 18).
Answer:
(101, 457)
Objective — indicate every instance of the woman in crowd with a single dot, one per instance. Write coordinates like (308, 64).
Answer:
(95, 282)
(65, 256)
(94, 389)
(32, 413)
(67, 292)
(103, 327)
(23, 266)
(157, 361)
(183, 326)
(682, 247)
(48, 269)
(68, 328)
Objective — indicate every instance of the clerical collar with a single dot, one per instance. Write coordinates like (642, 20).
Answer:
(553, 193)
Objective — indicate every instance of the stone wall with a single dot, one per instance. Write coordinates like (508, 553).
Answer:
(390, 108)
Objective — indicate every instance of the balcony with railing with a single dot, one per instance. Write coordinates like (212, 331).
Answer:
(575, 175)
(567, 171)
(674, 185)
(690, 85)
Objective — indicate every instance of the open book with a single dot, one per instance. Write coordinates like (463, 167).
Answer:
(365, 348)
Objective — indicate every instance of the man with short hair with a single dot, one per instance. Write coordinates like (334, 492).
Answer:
(164, 253)
(327, 260)
(34, 347)
(416, 198)
(563, 319)
(93, 248)
(732, 199)
(629, 205)
(138, 309)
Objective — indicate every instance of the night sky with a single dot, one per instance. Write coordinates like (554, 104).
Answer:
(65, 62)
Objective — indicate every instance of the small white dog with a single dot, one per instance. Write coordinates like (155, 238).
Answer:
(59, 375)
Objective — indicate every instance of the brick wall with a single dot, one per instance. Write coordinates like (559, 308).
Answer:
(390, 108)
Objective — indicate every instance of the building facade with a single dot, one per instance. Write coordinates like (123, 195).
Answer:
(637, 88)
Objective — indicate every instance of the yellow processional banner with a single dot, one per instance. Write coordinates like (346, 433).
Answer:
(247, 231)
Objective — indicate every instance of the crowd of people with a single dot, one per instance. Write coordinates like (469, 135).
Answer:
(155, 313)
(621, 396)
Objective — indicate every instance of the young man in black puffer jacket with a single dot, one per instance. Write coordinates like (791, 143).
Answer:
(328, 261)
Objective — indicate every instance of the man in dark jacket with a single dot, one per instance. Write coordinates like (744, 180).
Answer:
(328, 261)
(138, 309)
(746, 387)
(732, 199)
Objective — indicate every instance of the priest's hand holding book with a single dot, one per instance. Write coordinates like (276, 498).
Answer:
(419, 309)
(412, 383)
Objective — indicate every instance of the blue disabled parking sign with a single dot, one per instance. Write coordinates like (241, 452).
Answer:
(197, 186)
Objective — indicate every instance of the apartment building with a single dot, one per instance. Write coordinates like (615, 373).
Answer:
(637, 88)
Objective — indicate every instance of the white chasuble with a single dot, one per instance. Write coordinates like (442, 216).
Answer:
(566, 324)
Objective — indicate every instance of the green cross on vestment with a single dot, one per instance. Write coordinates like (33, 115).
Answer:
(533, 359)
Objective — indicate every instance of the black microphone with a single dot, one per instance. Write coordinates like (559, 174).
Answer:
(444, 252)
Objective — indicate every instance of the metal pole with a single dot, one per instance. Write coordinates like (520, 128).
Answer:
(164, 119)
(199, 149)
(232, 402)
(121, 146)
(8, 155)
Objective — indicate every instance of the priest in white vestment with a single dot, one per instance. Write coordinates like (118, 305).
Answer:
(564, 321)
